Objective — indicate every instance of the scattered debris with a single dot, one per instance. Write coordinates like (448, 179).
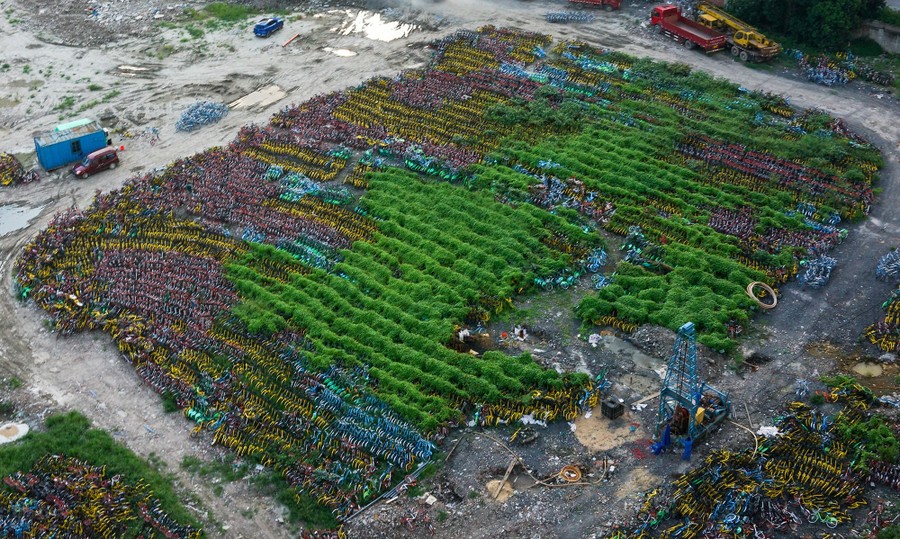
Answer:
(768, 432)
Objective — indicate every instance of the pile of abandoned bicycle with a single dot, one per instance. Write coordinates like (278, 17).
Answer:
(806, 475)
(66, 497)
(885, 333)
(160, 265)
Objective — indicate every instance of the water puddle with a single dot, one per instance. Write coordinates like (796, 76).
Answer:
(15, 217)
(869, 370)
(8, 102)
(340, 52)
(11, 432)
(372, 26)
(881, 378)
(262, 97)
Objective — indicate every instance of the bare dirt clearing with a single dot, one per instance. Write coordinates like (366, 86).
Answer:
(147, 74)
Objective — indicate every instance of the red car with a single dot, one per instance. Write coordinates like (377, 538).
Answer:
(101, 159)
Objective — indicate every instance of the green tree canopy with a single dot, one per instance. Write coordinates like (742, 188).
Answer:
(820, 23)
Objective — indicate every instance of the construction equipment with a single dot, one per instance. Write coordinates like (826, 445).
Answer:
(746, 42)
(688, 407)
(670, 22)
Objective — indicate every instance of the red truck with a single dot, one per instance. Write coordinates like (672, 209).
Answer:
(608, 5)
(689, 33)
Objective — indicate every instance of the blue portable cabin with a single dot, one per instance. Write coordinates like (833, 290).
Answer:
(69, 143)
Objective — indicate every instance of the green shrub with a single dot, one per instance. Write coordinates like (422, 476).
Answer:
(169, 404)
(194, 32)
(865, 47)
(889, 15)
(228, 12)
(7, 409)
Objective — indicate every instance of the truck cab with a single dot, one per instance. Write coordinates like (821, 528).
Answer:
(102, 159)
(660, 13)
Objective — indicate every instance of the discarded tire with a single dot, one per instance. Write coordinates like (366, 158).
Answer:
(570, 474)
(767, 288)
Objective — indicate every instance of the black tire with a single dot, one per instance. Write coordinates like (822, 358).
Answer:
(112, 166)
(84, 175)
(660, 29)
(688, 44)
(607, 8)
(735, 50)
(744, 56)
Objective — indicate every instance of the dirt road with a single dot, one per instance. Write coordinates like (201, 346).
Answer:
(146, 79)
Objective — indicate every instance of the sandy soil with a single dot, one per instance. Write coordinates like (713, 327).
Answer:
(159, 71)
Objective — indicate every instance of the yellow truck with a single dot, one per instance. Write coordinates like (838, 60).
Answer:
(746, 42)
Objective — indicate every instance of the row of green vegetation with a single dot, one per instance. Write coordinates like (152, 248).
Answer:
(392, 303)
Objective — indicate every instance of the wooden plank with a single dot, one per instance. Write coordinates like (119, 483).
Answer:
(512, 464)
(288, 42)
(645, 399)
(453, 449)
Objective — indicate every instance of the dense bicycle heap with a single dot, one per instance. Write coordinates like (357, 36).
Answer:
(11, 170)
(839, 69)
(65, 497)
(885, 334)
(199, 114)
(297, 292)
(814, 471)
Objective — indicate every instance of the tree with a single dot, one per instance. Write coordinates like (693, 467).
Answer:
(820, 23)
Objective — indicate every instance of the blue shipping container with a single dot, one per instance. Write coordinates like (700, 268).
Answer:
(59, 148)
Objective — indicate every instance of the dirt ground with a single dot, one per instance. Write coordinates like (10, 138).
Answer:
(58, 48)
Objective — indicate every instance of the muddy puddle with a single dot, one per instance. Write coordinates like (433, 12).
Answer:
(15, 217)
(881, 378)
(8, 102)
(372, 26)
(11, 432)
(502, 491)
(867, 369)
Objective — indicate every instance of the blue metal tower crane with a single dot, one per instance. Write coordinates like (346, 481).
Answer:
(688, 407)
